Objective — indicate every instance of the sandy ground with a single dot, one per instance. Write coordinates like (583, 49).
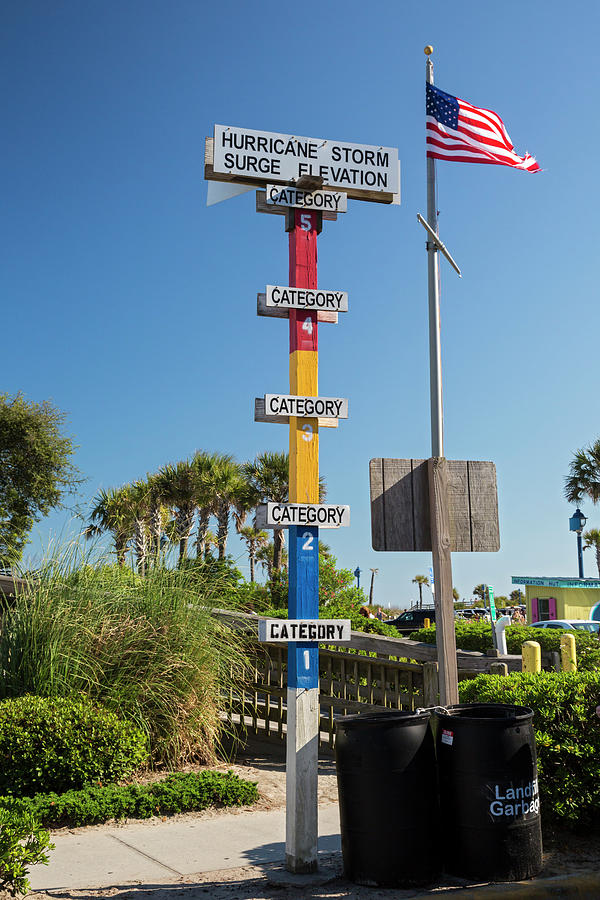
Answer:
(564, 854)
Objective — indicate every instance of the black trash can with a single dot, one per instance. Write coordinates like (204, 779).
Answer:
(489, 798)
(387, 789)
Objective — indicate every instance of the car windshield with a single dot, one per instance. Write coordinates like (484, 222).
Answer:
(587, 626)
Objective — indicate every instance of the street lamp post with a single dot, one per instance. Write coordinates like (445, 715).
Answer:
(577, 524)
(357, 576)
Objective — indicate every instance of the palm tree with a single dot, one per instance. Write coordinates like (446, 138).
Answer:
(229, 492)
(373, 574)
(254, 541)
(158, 515)
(592, 539)
(268, 477)
(584, 475)
(420, 580)
(111, 512)
(179, 487)
(204, 464)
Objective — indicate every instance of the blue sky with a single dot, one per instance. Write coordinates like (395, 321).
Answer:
(131, 304)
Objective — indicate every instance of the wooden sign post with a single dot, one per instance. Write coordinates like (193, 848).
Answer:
(307, 180)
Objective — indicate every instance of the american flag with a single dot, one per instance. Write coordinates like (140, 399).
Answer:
(460, 132)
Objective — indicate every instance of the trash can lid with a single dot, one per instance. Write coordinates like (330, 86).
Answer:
(488, 713)
(383, 719)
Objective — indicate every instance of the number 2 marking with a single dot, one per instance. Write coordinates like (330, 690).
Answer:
(308, 541)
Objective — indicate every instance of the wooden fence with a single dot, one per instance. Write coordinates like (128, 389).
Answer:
(369, 673)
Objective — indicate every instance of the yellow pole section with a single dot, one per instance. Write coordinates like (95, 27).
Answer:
(304, 433)
(531, 657)
(568, 653)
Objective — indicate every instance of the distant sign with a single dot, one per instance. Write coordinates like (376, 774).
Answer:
(283, 297)
(361, 170)
(301, 630)
(330, 201)
(282, 515)
(306, 407)
(556, 582)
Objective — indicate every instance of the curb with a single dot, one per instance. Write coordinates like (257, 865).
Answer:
(586, 886)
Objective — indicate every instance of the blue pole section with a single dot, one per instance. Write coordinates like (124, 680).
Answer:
(303, 603)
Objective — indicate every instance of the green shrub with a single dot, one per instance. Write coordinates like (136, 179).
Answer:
(59, 743)
(177, 793)
(478, 636)
(147, 648)
(23, 843)
(567, 732)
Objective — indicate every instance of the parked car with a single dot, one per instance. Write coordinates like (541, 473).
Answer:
(567, 624)
(412, 620)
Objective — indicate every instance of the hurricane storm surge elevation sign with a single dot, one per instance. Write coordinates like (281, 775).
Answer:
(362, 171)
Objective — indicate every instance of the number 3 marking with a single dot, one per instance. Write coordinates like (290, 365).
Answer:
(308, 541)
(308, 432)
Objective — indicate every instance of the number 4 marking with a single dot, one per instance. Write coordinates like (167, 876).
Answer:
(307, 326)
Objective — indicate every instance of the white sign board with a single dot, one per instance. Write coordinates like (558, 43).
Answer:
(324, 201)
(267, 156)
(307, 299)
(282, 515)
(306, 407)
(300, 630)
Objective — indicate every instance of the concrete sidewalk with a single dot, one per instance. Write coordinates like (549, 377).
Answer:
(158, 852)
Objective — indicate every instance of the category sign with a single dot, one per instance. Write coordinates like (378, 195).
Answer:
(332, 631)
(282, 515)
(306, 407)
(323, 201)
(267, 156)
(282, 297)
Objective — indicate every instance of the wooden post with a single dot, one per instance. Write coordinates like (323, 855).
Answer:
(568, 653)
(498, 668)
(430, 684)
(303, 596)
(442, 570)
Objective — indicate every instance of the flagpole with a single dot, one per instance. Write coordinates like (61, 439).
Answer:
(433, 278)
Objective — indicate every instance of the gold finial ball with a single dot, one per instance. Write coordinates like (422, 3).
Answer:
(428, 50)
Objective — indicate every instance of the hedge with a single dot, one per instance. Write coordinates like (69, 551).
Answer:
(478, 636)
(178, 792)
(567, 733)
(61, 743)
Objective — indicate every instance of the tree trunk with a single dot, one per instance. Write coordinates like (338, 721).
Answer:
(278, 540)
(420, 595)
(140, 546)
(598, 560)
(222, 528)
(251, 556)
(185, 523)
(203, 520)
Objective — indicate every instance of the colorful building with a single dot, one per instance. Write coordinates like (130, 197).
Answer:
(560, 598)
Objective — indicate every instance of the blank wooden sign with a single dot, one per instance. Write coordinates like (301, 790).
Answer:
(400, 505)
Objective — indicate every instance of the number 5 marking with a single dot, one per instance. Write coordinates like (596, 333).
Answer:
(308, 432)
(308, 541)
(305, 223)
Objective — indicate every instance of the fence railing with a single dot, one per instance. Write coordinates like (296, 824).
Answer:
(367, 673)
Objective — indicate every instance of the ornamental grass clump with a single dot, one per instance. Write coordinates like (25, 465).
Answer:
(145, 647)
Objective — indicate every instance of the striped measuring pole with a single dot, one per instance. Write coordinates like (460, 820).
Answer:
(303, 561)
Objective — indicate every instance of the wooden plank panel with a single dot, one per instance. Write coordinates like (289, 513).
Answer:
(398, 524)
(421, 511)
(263, 207)
(261, 416)
(400, 510)
(276, 312)
(458, 505)
(483, 494)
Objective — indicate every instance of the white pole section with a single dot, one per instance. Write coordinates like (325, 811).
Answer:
(433, 280)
